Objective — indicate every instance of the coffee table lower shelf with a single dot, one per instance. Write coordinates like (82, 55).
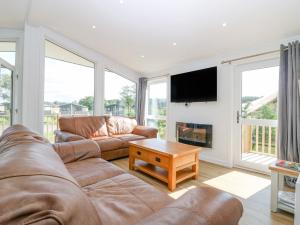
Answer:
(162, 174)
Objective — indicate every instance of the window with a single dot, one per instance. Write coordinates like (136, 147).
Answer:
(7, 62)
(156, 106)
(8, 51)
(119, 96)
(69, 86)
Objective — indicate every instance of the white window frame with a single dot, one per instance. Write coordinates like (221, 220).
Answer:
(157, 117)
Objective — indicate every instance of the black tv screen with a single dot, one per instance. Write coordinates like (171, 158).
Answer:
(195, 86)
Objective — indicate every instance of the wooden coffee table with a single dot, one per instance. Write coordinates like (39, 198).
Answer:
(170, 162)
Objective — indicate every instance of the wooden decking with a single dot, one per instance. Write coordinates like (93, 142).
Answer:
(252, 189)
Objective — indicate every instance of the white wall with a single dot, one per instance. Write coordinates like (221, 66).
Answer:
(33, 72)
(220, 114)
(217, 114)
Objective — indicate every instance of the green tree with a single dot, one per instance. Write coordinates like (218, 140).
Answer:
(128, 100)
(5, 87)
(87, 101)
(267, 111)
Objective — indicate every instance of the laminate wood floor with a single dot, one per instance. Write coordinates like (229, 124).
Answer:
(253, 189)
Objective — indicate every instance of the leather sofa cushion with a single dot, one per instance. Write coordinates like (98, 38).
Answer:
(90, 171)
(128, 137)
(85, 126)
(36, 187)
(108, 144)
(120, 125)
(44, 200)
(201, 206)
(29, 155)
(125, 199)
(77, 150)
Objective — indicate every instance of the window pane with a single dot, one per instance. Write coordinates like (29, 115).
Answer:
(157, 102)
(8, 51)
(157, 107)
(259, 101)
(69, 90)
(119, 96)
(5, 98)
(160, 125)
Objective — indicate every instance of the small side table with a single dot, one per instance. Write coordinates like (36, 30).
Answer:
(277, 182)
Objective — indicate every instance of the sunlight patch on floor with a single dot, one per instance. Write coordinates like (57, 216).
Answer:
(238, 183)
(179, 193)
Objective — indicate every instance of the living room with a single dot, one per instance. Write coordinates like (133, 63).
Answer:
(206, 93)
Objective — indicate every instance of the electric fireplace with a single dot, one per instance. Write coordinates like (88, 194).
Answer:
(194, 134)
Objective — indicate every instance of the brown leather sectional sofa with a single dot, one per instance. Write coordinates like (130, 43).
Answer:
(111, 133)
(68, 184)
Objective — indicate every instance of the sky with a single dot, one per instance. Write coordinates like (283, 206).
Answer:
(113, 84)
(67, 82)
(9, 57)
(260, 82)
(158, 90)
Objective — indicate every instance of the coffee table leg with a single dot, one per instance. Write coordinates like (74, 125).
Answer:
(195, 168)
(172, 176)
(131, 161)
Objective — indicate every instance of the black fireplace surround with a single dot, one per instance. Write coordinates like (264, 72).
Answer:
(194, 134)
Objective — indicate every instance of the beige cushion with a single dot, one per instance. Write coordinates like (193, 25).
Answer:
(128, 137)
(110, 143)
(85, 126)
(125, 199)
(120, 125)
(90, 171)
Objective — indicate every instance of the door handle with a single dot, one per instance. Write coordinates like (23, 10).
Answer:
(238, 116)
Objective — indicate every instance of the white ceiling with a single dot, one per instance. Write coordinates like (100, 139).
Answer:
(127, 31)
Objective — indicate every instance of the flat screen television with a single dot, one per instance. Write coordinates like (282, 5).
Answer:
(195, 86)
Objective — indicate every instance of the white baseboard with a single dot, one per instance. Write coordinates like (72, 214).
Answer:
(215, 161)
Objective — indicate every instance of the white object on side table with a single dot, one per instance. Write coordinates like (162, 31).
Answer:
(297, 203)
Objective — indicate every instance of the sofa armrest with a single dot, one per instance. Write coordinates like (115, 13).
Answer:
(148, 132)
(201, 206)
(62, 136)
(77, 150)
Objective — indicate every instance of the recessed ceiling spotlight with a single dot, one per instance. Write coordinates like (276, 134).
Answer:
(121, 1)
(94, 27)
(174, 43)
(142, 56)
(224, 24)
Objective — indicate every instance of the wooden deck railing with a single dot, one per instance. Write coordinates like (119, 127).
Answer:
(259, 136)
(50, 125)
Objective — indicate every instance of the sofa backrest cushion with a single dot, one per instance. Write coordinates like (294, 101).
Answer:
(77, 150)
(85, 126)
(35, 186)
(120, 125)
